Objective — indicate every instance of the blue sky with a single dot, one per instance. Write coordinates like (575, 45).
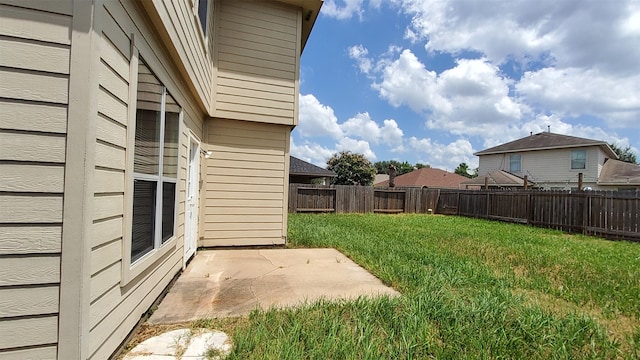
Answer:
(433, 81)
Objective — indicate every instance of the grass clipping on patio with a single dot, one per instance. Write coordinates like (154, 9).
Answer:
(470, 289)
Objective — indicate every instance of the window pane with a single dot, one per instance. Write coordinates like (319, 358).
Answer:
(168, 210)
(144, 199)
(578, 159)
(148, 112)
(171, 129)
(514, 163)
(202, 14)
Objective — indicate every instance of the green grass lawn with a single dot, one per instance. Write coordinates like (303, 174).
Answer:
(470, 289)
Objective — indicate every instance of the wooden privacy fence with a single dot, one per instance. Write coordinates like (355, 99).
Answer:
(607, 214)
(360, 199)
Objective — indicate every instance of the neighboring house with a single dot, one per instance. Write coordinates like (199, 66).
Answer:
(427, 177)
(302, 172)
(550, 161)
(132, 132)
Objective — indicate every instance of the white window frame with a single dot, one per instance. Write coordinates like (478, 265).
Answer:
(204, 35)
(512, 156)
(132, 269)
(571, 159)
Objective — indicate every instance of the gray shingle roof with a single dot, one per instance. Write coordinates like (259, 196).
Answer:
(616, 172)
(498, 178)
(546, 140)
(300, 167)
(429, 177)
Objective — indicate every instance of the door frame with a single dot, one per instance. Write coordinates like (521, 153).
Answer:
(192, 196)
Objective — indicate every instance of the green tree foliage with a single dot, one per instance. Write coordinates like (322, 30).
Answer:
(421, 165)
(463, 169)
(352, 168)
(625, 154)
(382, 167)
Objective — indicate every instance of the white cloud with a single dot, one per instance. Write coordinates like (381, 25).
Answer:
(317, 154)
(362, 126)
(406, 81)
(391, 134)
(469, 98)
(569, 33)
(359, 54)
(346, 10)
(355, 134)
(316, 119)
(311, 152)
(356, 146)
(375, 3)
(574, 91)
(444, 156)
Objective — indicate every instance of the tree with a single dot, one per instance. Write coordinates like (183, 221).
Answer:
(352, 168)
(463, 169)
(421, 165)
(625, 154)
(382, 167)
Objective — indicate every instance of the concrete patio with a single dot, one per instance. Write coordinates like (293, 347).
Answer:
(220, 283)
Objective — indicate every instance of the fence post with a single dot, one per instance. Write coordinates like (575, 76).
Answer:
(580, 181)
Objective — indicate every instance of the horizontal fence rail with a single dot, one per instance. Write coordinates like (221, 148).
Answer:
(608, 214)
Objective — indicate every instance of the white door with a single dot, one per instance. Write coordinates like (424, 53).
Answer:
(191, 205)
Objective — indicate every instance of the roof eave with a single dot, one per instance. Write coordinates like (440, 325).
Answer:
(312, 174)
(603, 145)
(310, 11)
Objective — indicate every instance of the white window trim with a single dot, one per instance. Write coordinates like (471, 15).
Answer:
(586, 160)
(131, 270)
(202, 34)
(519, 163)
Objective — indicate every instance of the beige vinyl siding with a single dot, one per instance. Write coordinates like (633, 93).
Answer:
(548, 168)
(114, 308)
(244, 184)
(34, 77)
(184, 36)
(257, 56)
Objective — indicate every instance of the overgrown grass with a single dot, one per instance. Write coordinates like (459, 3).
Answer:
(471, 289)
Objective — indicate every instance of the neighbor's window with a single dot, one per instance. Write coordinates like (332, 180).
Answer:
(155, 164)
(202, 7)
(578, 159)
(515, 163)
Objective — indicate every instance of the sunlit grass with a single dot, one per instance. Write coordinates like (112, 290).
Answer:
(471, 289)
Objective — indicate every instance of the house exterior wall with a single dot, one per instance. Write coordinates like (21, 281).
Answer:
(549, 168)
(187, 41)
(245, 183)
(67, 289)
(257, 57)
(34, 78)
(116, 305)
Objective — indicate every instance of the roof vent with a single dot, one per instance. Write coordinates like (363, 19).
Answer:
(548, 128)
